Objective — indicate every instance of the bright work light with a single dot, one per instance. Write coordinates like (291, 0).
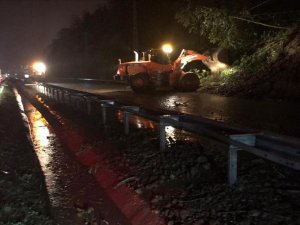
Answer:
(167, 48)
(39, 68)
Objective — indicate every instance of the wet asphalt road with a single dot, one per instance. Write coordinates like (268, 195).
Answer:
(264, 115)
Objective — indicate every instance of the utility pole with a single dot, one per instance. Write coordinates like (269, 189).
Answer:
(135, 27)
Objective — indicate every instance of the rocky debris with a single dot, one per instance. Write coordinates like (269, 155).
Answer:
(187, 183)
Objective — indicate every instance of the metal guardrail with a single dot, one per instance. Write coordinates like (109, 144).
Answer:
(279, 149)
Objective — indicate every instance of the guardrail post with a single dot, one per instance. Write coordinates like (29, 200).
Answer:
(58, 95)
(248, 139)
(89, 100)
(53, 94)
(77, 102)
(69, 98)
(88, 105)
(104, 113)
(165, 120)
(40, 88)
(104, 105)
(47, 92)
(127, 110)
(232, 164)
(50, 92)
(62, 96)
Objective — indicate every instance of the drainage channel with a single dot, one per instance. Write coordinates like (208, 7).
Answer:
(75, 196)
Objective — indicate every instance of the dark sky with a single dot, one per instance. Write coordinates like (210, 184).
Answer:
(28, 26)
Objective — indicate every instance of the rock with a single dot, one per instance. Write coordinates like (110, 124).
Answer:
(199, 222)
(166, 212)
(139, 191)
(175, 201)
(156, 199)
(194, 171)
(156, 212)
(7, 209)
(172, 177)
(245, 222)
(206, 166)
(184, 214)
(212, 222)
(201, 159)
(254, 213)
(171, 222)
(258, 161)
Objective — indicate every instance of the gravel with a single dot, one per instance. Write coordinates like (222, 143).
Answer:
(187, 183)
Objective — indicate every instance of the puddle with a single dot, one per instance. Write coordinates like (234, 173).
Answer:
(172, 134)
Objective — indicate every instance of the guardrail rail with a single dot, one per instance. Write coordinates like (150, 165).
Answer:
(276, 148)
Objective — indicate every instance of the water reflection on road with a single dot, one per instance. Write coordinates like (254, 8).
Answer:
(276, 116)
(172, 134)
(67, 181)
(51, 156)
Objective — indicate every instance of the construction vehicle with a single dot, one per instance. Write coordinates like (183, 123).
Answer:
(156, 70)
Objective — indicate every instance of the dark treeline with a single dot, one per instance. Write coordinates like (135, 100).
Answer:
(94, 42)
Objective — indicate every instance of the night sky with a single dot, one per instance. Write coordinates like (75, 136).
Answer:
(28, 26)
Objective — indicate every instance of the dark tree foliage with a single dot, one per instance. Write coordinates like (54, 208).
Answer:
(93, 43)
(241, 24)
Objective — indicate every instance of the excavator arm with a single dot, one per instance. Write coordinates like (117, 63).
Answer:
(187, 56)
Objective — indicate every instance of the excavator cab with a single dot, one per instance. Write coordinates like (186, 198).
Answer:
(158, 56)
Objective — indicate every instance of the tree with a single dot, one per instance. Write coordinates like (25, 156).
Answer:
(236, 26)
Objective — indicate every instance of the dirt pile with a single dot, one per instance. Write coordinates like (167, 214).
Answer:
(279, 80)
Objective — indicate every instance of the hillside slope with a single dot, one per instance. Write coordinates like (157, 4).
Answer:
(279, 79)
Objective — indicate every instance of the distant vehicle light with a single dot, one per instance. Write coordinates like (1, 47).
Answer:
(167, 48)
(26, 76)
(39, 68)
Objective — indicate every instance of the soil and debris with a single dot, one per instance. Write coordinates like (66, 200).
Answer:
(277, 80)
(187, 184)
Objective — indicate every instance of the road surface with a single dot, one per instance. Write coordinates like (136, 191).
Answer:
(265, 115)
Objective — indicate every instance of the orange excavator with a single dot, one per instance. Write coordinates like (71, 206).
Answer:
(156, 70)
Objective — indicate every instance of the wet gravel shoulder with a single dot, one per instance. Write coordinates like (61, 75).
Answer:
(187, 183)
(23, 196)
(75, 196)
